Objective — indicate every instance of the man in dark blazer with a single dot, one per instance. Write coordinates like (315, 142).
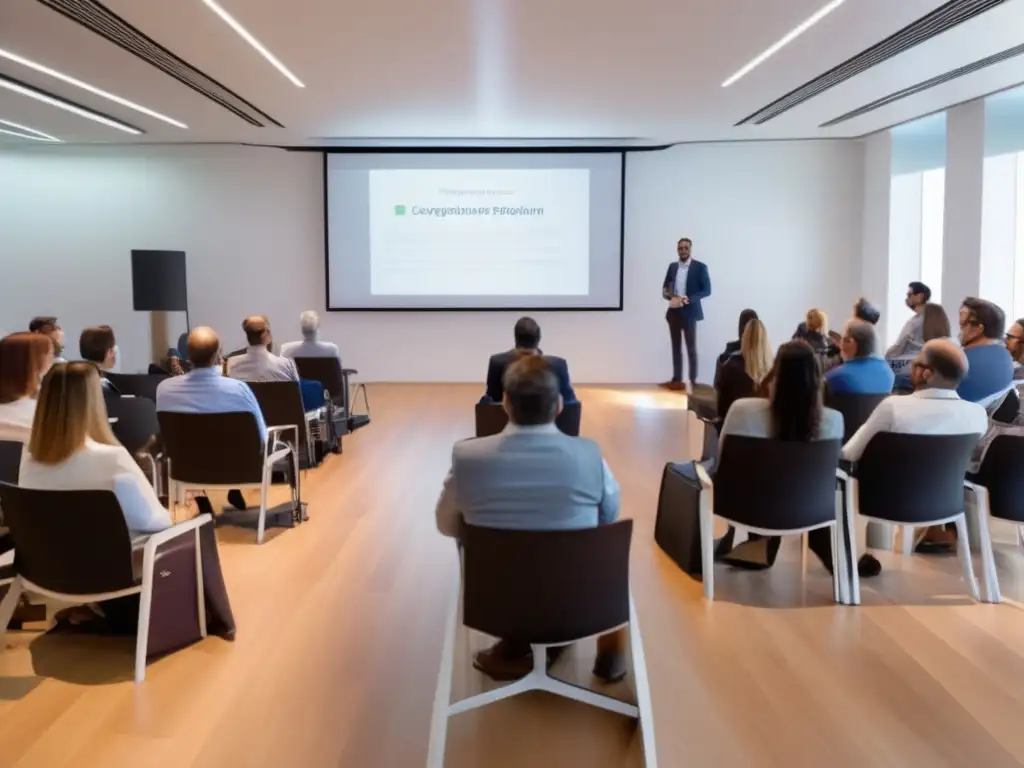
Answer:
(686, 284)
(527, 335)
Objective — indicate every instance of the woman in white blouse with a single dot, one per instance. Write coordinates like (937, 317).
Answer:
(72, 448)
(24, 358)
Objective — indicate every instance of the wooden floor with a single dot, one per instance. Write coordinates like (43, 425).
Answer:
(340, 623)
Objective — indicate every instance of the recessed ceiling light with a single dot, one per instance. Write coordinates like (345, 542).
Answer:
(67, 106)
(245, 35)
(27, 133)
(85, 86)
(790, 37)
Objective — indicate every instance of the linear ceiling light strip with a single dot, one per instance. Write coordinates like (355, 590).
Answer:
(952, 74)
(38, 134)
(100, 20)
(261, 49)
(942, 19)
(68, 106)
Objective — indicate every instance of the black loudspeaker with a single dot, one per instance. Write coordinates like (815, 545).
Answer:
(158, 281)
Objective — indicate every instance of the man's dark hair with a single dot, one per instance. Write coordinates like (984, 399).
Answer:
(532, 391)
(42, 324)
(527, 333)
(684, 240)
(94, 343)
(918, 287)
(866, 311)
(745, 317)
(986, 314)
(254, 327)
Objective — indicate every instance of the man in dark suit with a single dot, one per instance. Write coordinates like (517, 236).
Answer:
(686, 284)
(527, 335)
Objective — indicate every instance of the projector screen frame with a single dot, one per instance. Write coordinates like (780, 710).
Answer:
(622, 151)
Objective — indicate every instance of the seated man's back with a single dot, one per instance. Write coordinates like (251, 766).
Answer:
(863, 372)
(259, 363)
(500, 362)
(531, 479)
(310, 346)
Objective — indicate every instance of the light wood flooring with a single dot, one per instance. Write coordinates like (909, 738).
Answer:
(340, 624)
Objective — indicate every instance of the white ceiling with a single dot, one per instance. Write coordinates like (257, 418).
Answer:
(470, 69)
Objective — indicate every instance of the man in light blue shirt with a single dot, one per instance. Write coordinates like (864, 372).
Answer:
(863, 372)
(205, 390)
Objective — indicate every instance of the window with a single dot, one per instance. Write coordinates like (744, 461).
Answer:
(1002, 236)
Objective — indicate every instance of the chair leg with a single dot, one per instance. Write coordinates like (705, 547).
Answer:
(9, 604)
(707, 547)
(908, 539)
(262, 522)
(850, 559)
(963, 548)
(142, 633)
(803, 556)
(643, 690)
(443, 692)
(836, 574)
(200, 587)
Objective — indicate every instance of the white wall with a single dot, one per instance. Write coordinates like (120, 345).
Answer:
(778, 223)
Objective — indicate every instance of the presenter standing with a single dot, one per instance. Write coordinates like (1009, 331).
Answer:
(686, 283)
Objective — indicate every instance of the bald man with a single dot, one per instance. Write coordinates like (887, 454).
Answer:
(204, 389)
(258, 363)
(933, 409)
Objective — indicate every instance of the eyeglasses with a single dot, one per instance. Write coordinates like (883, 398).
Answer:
(1010, 336)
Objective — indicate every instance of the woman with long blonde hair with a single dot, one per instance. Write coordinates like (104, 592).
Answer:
(72, 448)
(744, 374)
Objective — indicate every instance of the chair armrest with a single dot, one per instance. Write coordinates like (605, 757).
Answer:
(977, 488)
(702, 474)
(349, 372)
(842, 474)
(156, 539)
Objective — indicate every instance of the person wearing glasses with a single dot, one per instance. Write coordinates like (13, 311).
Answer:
(1015, 346)
(990, 372)
(49, 327)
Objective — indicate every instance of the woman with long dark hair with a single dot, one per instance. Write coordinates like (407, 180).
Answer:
(792, 412)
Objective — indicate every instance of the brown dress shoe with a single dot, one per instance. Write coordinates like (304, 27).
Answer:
(675, 386)
(505, 661)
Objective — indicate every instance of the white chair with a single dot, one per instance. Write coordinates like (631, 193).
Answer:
(913, 481)
(774, 488)
(224, 451)
(74, 547)
(548, 589)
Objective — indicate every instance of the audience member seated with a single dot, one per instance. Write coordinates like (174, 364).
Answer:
(792, 411)
(743, 375)
(24, 359)
(98, 346)
(911, 338)
(934, 408)
(862, 371)
(934, 325)
(205, 390)
(1015, 346)
(866, 311)
(258, 363)
(527, 336)
(733, 347)
(814, 330)
(990, 367)
(531, 477)
(310, 346)
(50, 328)
(72, 448)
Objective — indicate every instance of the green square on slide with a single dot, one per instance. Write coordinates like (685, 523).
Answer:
(399, 210)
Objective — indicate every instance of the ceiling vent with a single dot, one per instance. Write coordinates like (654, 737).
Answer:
(942, 19)
(99, 19)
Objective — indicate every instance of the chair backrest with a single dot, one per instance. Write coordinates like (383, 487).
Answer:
(914, 478)
(136, 421)
(1002, 472)
(136, 384)
(777, 484)
(326, 370)
(491, 418)
(10, 461)
(1007, 410)
(213, 448)
(546, 586)
(281, 403)
(75, 542)
(855, 409)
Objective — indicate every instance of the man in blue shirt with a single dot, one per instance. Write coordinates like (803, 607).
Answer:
(863, 372)
(990, 375)
(205, 390)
